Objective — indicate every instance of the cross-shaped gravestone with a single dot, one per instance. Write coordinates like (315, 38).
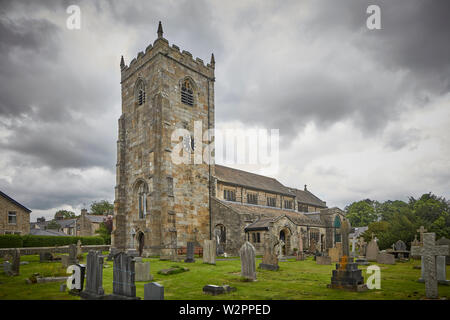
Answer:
(421, 230)
(345, 229)
(429, 251)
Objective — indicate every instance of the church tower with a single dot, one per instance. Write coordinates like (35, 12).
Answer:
(167, 108)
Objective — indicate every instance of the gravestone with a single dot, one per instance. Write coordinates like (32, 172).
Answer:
(79, 249)
(123, 278)
(7, 268)
(335, 253)
(312, 246)
(385, 258)
(441, 273)
(323, 260)
(65, 261)
(270, 259)
(142, 270)
(400, 246)
(214, 290)
(345, 230)
(153, 291)
(15, 262)
(429, 251)
(45, 256)
(248, 268)
(72, 254)
(442, 242)
(190, 252)
(353, 253)
(421, 230)
(94, 276)
(362, 246)
(347, 276)
(372, 250)
(209, 252)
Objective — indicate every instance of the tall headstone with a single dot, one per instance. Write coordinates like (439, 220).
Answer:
(345, 230)
(415, 243)
(123, 277)
(270, 259)
(153, 291)
(190, 252)
(94, 276)
(15, 262)
(72, 254)
(209, 251)
(79, 249)
(353, 253)
(248, 267)
(362, 246)
(429, 251)
(372, 250)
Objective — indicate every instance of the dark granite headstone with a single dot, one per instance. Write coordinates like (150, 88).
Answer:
(94, 276)
(190, 252)
(347, 276)
(216, 290)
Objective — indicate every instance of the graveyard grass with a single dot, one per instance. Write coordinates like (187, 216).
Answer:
(296, 280)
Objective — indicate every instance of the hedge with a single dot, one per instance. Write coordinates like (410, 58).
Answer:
(11, 241)
(27, 241)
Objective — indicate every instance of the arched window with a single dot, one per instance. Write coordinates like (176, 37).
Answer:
(140, 92)
(337, 227)
(187, 93)
(142, 200)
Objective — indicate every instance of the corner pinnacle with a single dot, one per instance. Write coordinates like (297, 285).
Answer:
(122, 63)
(160, 30)
(213, 61)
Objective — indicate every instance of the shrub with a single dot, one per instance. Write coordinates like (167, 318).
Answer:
(11, 241)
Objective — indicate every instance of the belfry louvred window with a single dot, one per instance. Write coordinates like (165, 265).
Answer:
(140, 92)
(187, 94)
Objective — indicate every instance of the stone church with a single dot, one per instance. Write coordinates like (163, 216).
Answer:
(160, 205)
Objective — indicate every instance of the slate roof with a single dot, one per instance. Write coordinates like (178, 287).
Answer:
(48, 232)
(304, 196)
(358, 232)
(251, 180)
(268, 214)
(14, 201)
(95, 218)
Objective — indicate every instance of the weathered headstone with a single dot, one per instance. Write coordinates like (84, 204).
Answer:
(335, 253)
(94, 276)
(362, 246)
(345, 230)
(323, 260)
(441, 273)
(72, 254)
(123, 278)
(353, 253)
(400, 246)
(442, 242)
(153, 291)
(142, 270)
(7, 268)
(15, 262)
(372, 250)
(209, 252)
(429, 251)
(79, 249)
(421, 230)
(385, 258)
(248, 268)
(270, 259)
(190, 252)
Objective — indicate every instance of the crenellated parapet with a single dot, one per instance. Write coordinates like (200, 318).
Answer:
(161, 46)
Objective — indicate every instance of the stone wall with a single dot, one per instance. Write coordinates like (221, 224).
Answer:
(23, 218)
(61, 249)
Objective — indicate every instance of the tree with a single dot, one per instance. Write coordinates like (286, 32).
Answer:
(102, 208)
(362, 213)
(64, 214)
(105, 229)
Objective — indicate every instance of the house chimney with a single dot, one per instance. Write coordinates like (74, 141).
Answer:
(305, 188)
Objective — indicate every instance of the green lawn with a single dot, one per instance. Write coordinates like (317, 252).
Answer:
(295, 280)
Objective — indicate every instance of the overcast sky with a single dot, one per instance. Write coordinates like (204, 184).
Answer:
(362, 113)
